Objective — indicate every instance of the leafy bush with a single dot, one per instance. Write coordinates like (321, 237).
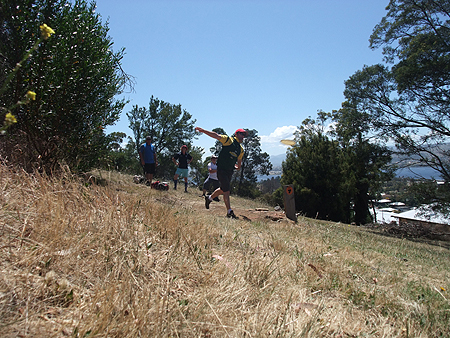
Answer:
(75, 76)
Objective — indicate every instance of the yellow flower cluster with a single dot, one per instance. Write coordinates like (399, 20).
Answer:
(10, 119)
(46, 31)
(31, 95)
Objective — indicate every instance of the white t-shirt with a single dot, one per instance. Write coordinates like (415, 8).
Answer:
(212, 166)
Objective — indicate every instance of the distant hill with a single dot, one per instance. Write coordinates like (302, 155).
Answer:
(426, 172)
(276, 161)
(438, 150)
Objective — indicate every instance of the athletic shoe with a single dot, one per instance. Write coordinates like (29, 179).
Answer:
(207, 201)
(232, 215)
(216, 199)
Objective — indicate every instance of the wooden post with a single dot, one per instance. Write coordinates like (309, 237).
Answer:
(289, 202)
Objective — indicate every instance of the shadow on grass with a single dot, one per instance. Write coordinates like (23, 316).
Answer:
(414, 233)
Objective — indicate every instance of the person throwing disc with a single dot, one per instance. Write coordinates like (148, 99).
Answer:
(230, 158)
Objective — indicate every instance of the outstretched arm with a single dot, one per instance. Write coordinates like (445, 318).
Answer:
(212, 134)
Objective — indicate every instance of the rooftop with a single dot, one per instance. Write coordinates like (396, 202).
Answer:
(424, 213)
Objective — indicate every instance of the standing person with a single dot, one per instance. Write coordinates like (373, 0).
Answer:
(212, 177)
(181, 160)
(230, 158)
(147, 154)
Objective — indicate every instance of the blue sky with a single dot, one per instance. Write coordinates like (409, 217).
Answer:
(257, 64)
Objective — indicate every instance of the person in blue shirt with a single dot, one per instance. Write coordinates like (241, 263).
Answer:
(147, 154)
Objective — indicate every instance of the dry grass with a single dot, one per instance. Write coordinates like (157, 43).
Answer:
(122, 260)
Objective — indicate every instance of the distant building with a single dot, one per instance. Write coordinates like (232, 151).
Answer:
(385, 215)
(435, 222)
(383, 201)
(399, 206)
(422, 215)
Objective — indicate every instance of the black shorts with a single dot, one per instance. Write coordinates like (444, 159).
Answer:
(149, 168)
(208, 182)
(224, 179)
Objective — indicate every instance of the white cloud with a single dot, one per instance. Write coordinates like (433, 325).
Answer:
(271, 143)
(285, 132)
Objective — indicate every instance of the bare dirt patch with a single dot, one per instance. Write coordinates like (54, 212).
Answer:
(411, 231)
(194, 200)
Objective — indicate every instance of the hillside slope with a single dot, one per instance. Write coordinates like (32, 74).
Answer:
(123, 260)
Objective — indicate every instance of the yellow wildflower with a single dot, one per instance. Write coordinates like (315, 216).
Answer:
(31, 95)
(46, 31)
(10, 119)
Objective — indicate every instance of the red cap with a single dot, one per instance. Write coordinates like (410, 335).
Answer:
(240, 130)
(184, 146)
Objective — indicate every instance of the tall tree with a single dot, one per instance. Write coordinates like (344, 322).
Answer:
(138, 117)
(169, 125)
(198, 168)
(313, 167)
(121, 158)
(408, 97)
(75, 75)
(365, 163)
(255, 162)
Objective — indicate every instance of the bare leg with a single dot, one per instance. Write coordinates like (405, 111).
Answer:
(226, 197)
(175, 182)
(149, 177)
(216, 193)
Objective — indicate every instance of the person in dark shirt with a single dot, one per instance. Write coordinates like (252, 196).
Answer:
(230, 158)
(181, 160)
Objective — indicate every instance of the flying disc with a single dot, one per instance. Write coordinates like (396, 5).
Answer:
(288, 142)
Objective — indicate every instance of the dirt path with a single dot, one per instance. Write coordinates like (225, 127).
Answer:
(193, 200)
(197, 202)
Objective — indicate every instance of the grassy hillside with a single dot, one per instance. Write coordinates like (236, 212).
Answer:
(122, 260)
